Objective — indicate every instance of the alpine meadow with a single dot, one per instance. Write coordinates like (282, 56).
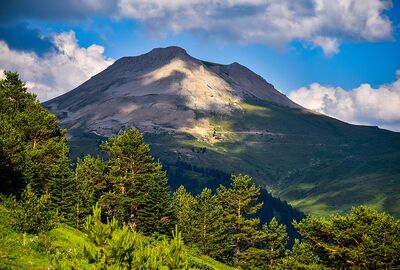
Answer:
(209, 135)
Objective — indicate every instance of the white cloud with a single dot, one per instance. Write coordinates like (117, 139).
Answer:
(362, 105)
(56, 72)
(329, 45)
(319, 23)
(323, 23)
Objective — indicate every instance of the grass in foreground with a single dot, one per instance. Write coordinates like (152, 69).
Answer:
(63, 248)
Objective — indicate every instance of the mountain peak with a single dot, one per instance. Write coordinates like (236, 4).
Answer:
(171, 51)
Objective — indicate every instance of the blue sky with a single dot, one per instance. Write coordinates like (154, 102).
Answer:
(311, 50)
(287, 68)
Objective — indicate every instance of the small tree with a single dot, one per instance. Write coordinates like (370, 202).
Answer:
(34, 214)
(112, 246)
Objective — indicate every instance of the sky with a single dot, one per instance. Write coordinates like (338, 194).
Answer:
(341, 57)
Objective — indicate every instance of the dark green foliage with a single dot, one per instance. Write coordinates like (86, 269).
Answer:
(12, 158)
(178, 175)
(32, 145)
(209, 226)
(269, 247)
(136, 188)
(89, 181)
(274, 239)
(223, 227)
(202, 222)
(301, 257)
(239, 202)
(33, 213)
(363, 239)
(154, 212)
(13, 94)
(183, 204)
(63, 194)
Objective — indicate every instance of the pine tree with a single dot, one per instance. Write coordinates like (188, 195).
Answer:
(155, 211)
(209, 226)
(110, 246)
(269, 248)
(239, 202)
(90, 183)
(46, 144)
(362, 239)
(136, 188)
(275, 237)
(63, 193)
(301, 256)
(32, 145)
(12, 158)
(34, 213)
(13, 100)
(183, 206)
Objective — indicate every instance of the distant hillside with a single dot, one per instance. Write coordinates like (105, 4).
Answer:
(226, 118)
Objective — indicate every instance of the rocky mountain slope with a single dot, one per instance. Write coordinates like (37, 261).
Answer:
(203, 118)
(164, 89)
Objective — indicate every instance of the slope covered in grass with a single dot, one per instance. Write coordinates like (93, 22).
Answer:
(62, 245)
(317, 163)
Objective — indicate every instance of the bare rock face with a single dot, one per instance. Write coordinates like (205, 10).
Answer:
(165, 89)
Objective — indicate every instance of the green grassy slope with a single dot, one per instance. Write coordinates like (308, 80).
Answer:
(317, 163)
(64, 243)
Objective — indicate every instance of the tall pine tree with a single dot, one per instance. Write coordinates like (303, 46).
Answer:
(90, 182)
(63, 193)
(32, 145)
(240, 201)
(136, 189)
(209, 226)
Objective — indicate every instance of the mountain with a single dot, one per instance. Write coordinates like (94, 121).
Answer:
(165, 89)
(205, 120)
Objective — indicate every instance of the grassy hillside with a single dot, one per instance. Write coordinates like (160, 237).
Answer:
(61, 245)
(316, 163)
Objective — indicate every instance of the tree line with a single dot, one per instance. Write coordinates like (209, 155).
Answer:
(129, 193)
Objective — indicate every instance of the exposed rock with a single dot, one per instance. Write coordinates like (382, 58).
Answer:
(163, 89)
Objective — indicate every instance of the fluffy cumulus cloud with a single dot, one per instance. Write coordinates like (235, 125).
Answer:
(57, 71)
(316, 23)
(362, 105)
(320, 23)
